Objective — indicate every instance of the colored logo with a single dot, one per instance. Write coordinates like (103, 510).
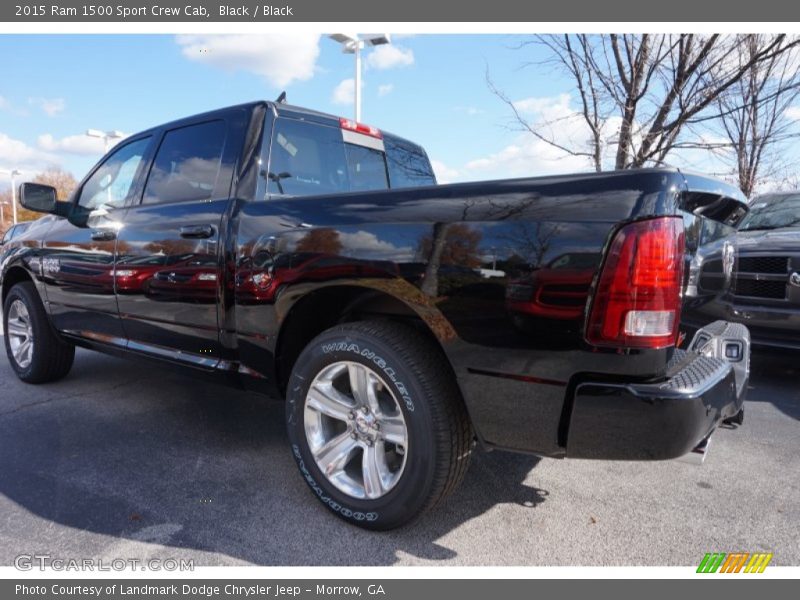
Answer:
(736, 562)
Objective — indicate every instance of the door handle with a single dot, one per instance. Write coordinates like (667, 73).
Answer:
(103, 235)
(197, 232)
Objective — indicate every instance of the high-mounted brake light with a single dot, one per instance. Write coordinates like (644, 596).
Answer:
(360, 128)
(637, 303)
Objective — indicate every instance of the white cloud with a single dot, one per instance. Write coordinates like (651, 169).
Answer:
(470, 110)
(385, 89)
(366, 244)
(444, 174)
(49, 106)
(362, 244)
(547, 107)
(526, 157)
(74, 144)
(281, 59)
(390, 56)
(345, 92)
(16, 154)
(793, 113)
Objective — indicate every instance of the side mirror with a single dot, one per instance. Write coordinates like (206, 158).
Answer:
(43, 198)
(38, 197)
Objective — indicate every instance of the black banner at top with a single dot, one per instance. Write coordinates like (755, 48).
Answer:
(621, 11)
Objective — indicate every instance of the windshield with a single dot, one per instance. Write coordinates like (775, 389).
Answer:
(772, 212)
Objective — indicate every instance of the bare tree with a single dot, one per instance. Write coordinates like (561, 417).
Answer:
(753, 114)
(639, 94)
(62, 180)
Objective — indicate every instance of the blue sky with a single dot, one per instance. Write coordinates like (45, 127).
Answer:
(431, 89)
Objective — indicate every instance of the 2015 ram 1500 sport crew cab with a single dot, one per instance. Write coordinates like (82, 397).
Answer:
(316, 259)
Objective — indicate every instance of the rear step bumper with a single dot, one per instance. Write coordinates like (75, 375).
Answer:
(659, 421)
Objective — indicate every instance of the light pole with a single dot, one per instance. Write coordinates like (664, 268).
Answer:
(14, 173)
(353, 44)
(105, 136)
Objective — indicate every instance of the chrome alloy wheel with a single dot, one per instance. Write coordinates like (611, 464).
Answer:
(20, 334)
(355, 430)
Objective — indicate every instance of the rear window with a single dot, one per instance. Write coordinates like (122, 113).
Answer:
(310, 159)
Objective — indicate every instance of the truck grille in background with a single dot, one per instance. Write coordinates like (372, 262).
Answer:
(711, 277)
(754, 288)
(764, 264)
(763, 277)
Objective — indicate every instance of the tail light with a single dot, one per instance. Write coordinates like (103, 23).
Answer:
(637, 303)
(360, 128)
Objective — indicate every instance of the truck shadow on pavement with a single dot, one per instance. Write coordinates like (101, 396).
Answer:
(141, 454)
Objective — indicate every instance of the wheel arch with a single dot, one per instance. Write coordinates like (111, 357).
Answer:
(13, 275)
(305, 315)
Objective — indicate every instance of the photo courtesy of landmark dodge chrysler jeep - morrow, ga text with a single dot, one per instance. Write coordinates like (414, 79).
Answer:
(315, 259)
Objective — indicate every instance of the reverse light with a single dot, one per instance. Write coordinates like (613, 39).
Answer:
(638, 298)
(122, 273)
(642, 323)
(207, 277)
(360, 128)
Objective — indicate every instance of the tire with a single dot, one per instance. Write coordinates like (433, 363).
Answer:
(50, 358)
(411, 382)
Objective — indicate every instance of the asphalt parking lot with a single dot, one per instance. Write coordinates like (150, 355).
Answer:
(125, 460)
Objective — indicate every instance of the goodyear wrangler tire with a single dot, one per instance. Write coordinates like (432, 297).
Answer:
(36, 353)
(376, 423)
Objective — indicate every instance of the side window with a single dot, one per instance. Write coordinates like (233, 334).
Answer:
(408, 165)
(112, 183)
(187, 164)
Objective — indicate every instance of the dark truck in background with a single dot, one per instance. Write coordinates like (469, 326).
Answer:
(764, 291)
(315, 259)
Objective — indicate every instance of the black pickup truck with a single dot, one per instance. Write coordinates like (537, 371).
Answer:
(315, 259)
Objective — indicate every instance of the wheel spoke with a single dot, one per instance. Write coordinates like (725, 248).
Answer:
(363, 383)
(24, 352)
(373, 468)
(393, 430)
(16, 327)
(334, 455)
(326, 399)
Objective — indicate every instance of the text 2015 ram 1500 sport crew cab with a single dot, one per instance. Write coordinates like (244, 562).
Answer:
(315, 259)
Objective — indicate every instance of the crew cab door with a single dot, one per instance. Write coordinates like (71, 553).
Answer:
(78, 254)
(170, 267)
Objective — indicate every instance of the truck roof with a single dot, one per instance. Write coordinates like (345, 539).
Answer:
(286, 110)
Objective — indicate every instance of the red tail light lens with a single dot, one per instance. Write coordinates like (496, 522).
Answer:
(637, 303)
(360, 128)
